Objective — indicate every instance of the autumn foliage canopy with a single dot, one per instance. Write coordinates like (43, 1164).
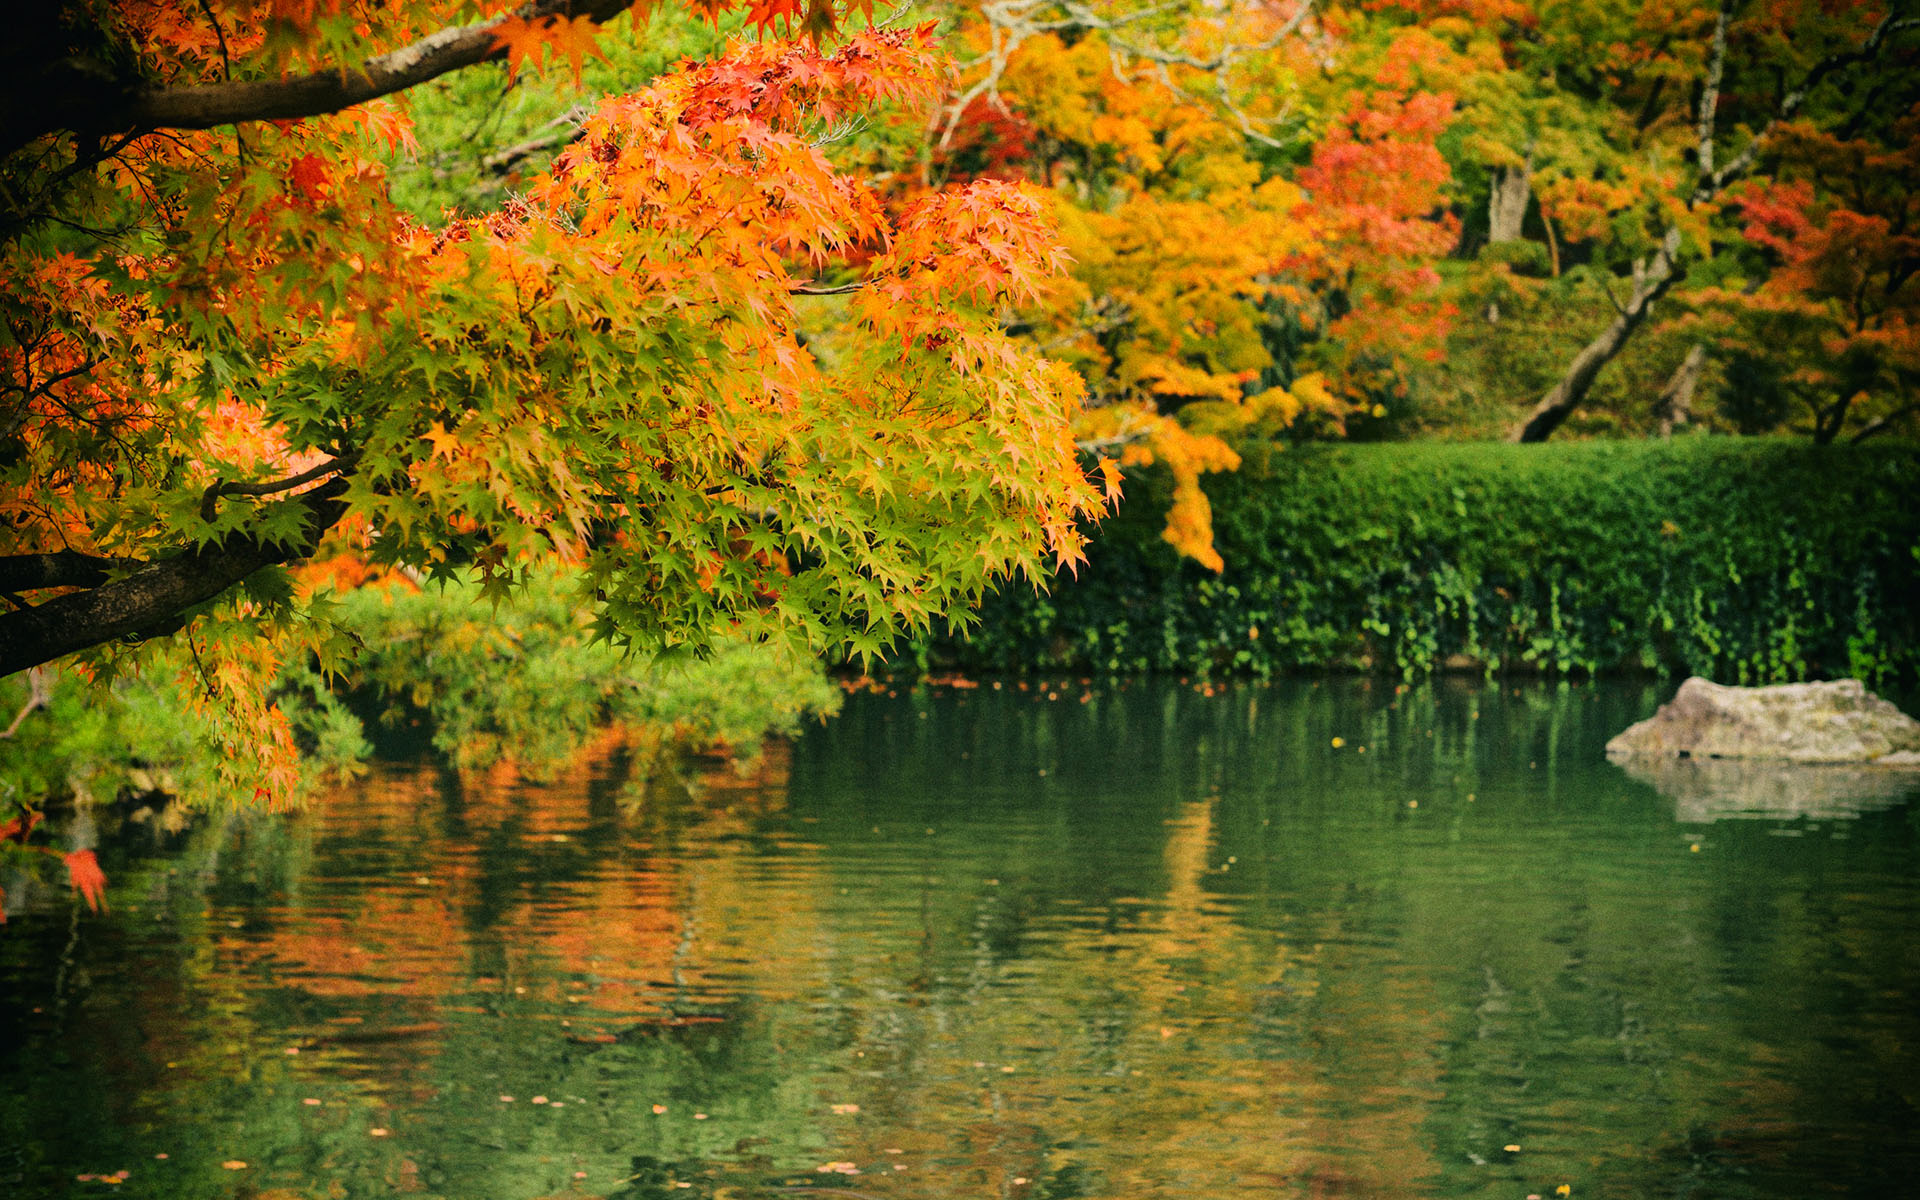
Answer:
(225, 350)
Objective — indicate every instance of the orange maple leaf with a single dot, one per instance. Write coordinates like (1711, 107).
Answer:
(569, 38)
(83, 870)
(308, 175)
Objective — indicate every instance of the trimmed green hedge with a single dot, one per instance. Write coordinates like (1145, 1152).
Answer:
(1746, 560)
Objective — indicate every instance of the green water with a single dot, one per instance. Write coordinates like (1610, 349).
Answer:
(963, 942)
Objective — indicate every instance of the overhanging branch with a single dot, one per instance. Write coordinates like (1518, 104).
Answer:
(64, 568)
(67, 101)
(151, 599)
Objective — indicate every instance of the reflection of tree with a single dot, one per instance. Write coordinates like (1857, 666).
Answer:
(1206, 953)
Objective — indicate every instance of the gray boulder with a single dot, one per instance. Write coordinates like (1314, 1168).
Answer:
(1838, 722)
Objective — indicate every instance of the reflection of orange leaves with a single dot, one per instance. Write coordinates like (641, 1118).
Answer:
(17, 829)
(87, 877)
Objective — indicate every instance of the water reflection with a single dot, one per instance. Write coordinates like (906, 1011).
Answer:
(1713, 789)
(1044, 942)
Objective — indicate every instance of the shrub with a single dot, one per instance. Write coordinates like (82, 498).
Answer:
(1747, 560)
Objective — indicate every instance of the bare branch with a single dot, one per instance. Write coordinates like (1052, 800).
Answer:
(220, 488)
(1710, 90)
(1010, 23)
(1715, 182)
(1883, 423)
(38, 693)
(560, 131)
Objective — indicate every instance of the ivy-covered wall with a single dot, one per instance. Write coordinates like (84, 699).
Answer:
(1746, 560)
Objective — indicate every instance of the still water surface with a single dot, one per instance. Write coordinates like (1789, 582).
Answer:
(963, 942)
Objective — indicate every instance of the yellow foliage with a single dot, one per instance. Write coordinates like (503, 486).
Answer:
(1146, 437)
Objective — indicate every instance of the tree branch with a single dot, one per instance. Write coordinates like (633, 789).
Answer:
(65, 568)
(152, 600)
(560, 131)
(1885, 422)
(213, 493)
(1710, 92)
(76, 102)
(1712, 183)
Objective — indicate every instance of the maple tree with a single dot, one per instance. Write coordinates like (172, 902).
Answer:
(1249, 199)
(1620, 131)
(1828, 329)
(225, 346)
(225, 349)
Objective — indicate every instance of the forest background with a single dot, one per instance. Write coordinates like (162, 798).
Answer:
(1192, 254)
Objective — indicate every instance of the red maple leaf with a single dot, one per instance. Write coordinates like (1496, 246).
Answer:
(17, 829)
(308, 175)
(83, 870)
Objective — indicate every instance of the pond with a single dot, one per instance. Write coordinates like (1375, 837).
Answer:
(1060, 940)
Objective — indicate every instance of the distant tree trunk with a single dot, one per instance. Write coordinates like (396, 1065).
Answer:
(1675, 405)
(1507, 211)
(1651, 279)
(1507, 204)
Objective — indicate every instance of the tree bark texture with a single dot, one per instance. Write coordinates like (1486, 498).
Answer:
(1675, 403)
(150, 600)
(1507, 203)
(72, 94)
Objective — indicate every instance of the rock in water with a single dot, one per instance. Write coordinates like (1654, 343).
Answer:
(1838, 722)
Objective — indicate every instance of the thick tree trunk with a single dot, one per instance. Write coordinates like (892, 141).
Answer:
(1507, 204)
(1675, 404)
(1651, 279)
